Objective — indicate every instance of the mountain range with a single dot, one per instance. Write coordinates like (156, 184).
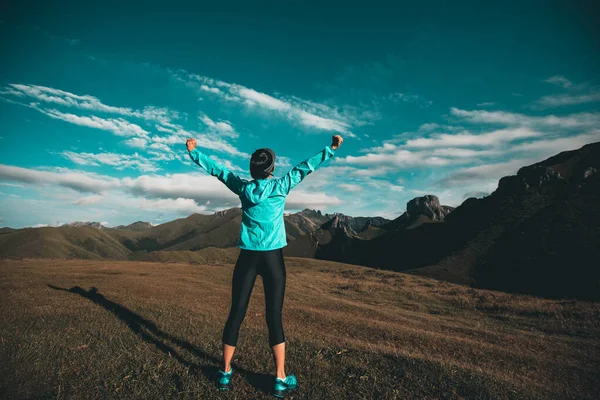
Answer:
(537, 233)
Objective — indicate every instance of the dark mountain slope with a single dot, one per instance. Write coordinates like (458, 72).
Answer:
(539, 232)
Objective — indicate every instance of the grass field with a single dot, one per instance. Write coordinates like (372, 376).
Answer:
(136, 330)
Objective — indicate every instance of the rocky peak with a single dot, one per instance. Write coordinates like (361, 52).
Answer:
(567, 169)
(428, 206)
(227, 211)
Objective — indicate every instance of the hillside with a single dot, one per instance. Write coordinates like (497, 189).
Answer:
(105, 329)
(190, 234)
(537, 233)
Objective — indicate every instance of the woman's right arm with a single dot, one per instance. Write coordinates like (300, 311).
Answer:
(302, 170)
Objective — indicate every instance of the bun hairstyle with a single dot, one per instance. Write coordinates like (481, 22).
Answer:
(262, 163)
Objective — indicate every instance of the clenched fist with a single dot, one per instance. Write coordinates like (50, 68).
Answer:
(336, 141)
(190, 144)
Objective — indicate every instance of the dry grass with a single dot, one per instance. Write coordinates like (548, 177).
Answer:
(153, 331)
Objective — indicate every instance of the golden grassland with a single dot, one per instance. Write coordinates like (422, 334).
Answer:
(145, 330)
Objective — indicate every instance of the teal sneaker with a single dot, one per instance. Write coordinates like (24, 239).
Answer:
(284, 386)
(224, 379)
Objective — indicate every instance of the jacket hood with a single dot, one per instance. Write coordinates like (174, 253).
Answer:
(257, 190)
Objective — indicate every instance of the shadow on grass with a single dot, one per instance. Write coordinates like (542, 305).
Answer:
(153, 335)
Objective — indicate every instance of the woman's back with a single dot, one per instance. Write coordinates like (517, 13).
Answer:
(263, 200)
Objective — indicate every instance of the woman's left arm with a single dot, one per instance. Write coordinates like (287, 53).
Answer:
(224, 174)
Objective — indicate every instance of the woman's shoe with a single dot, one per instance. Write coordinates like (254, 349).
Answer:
(284, 386)
(224, 379)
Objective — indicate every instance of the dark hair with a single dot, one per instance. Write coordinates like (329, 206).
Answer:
(262, 163)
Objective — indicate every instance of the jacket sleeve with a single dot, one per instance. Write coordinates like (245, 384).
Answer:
(233, 182)
(302, 170)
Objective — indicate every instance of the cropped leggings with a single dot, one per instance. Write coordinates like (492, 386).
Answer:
(271, 267)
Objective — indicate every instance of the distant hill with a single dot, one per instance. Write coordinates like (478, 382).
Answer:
(92, 240)
(79, 224)
(136, 226)
(538, 233)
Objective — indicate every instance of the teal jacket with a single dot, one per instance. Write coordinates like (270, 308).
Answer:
(263, 200)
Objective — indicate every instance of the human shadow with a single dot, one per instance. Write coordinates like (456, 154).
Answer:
(153, 335)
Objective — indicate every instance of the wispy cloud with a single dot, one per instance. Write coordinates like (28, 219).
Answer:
(401, 158)
(118, 126)
(409, 98)
(76, 180)
(289, 108)
(490, 173)
(576, 94)
(163, 119)
(578, 120)
(161, 115)
(192, 189)
(469, 139)
(349, 187)
(560, 80)
(223, 127)
(566, 99)
(119, 161)
(137, 142)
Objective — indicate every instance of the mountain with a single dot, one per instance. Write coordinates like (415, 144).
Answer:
(87, 241)
(309, 231)
(79, 224)
(83, 242)
(136, 226)
(91, 240)
(538, 233)
(420, 210)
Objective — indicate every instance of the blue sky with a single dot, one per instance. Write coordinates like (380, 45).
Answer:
(445, 98)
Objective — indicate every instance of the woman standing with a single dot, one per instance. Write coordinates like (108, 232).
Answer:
(262, 238)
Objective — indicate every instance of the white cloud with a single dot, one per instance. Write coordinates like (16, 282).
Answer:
(88, 200)
(490, 172)
(209, 141)
(299, 200)
(303, 112)
(162, 115)
(578, 120)
(253, 97)
(576, 94)
(119, 161)
(228, 164)
(223, 127)
(560, 81)
(469, 139)
(409, 98)
(547, 148)
(118, 126)
(401, 159)
(565, 99)
(80, 181)
(349, 187)
(61, 97)
(283, 161)
(210, 89)
(137, 142)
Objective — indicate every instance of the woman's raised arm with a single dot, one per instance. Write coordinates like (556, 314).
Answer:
(232, 181)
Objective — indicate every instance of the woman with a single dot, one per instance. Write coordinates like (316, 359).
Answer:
(262, 238)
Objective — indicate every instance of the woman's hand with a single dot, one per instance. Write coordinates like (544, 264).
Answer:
(336, 141)
(190, 144)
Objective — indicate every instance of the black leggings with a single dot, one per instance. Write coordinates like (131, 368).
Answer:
(271, 267)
